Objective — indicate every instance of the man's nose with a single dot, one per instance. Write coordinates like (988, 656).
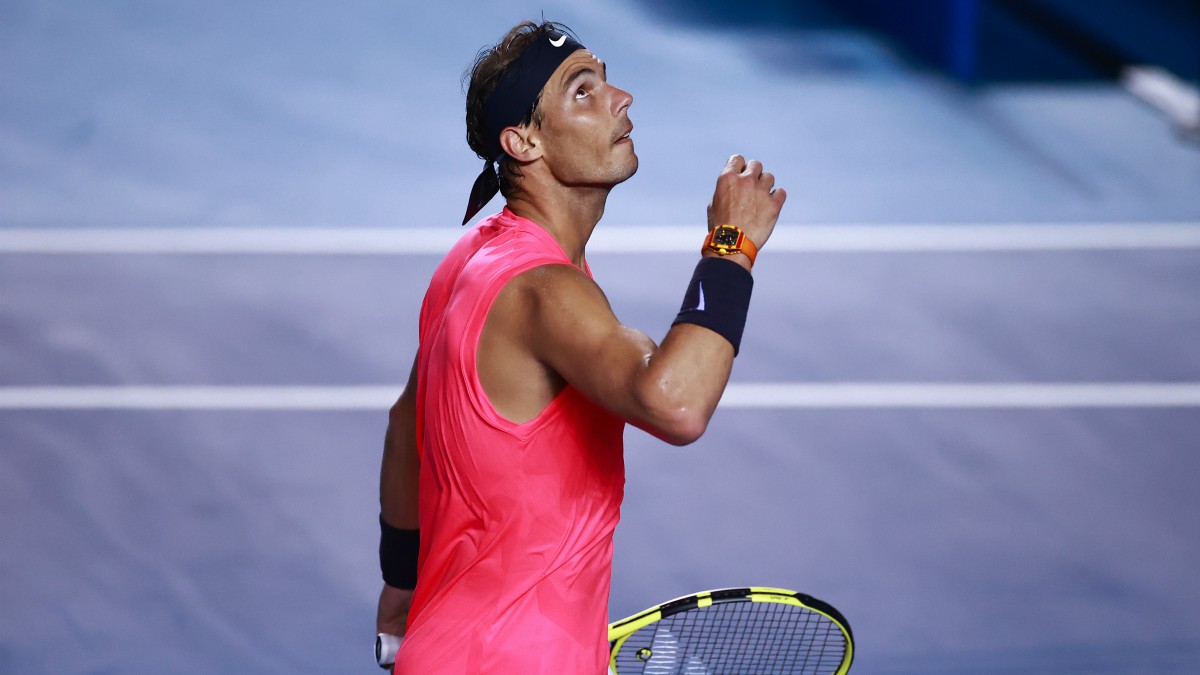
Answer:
(621, 100)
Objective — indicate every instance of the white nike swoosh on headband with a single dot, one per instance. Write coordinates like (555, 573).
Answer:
(560, 41)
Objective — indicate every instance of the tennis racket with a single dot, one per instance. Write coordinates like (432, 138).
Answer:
(734, 631)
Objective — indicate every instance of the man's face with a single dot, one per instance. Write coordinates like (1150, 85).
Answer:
(585, 125)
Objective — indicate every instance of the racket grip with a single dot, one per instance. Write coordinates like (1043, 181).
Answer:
(386, 646)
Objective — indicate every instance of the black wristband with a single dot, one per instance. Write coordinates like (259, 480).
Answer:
(718, 299)
(398, 550)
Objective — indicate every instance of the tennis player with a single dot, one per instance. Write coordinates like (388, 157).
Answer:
(503, 473)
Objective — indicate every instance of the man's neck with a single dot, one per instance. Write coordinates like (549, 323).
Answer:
(569, 214)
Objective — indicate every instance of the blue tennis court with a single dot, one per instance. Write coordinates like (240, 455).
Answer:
(966, 409)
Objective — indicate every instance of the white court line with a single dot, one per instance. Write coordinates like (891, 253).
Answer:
(199, 398)
(963, 395)
(611, 239)
(775, 395)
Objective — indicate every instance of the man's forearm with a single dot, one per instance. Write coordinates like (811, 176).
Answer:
(398, 474)
(682, 383)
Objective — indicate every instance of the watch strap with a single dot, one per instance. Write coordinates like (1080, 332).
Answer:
(743, 244)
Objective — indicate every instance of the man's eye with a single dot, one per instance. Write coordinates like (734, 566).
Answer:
(582, 93)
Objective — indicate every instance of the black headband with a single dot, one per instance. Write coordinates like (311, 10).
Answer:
(512, 99)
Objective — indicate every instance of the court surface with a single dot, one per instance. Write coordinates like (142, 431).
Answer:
(966, 410)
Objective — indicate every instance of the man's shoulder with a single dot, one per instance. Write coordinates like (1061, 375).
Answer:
(550, 289)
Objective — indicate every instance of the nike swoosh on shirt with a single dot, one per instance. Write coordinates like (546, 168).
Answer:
(560, 41)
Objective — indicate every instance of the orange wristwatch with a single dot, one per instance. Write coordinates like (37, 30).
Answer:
(729, 239)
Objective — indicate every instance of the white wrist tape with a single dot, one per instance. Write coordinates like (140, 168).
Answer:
(386, 647)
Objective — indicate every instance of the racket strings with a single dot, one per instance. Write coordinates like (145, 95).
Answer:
(739, 638)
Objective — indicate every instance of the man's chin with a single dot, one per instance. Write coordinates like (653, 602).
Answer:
(619, 175)
(632, 169)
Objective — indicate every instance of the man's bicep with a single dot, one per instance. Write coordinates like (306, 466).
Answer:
(403, 412)
(576, 334)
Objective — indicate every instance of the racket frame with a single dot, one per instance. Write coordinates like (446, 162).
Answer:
(620, 631)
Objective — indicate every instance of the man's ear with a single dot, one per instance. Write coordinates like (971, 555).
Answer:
(521, 143)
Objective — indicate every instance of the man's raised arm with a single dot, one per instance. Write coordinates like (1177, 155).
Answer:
(672, 389)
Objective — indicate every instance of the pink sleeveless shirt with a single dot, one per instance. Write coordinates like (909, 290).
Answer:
(516, 519)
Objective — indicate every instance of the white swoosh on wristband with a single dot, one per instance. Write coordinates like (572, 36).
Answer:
(700, 307)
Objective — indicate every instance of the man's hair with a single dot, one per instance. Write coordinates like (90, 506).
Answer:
(490, 65)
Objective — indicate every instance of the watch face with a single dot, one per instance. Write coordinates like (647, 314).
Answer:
(725, 236)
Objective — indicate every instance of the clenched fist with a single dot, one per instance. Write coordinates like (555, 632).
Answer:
(746, 196)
